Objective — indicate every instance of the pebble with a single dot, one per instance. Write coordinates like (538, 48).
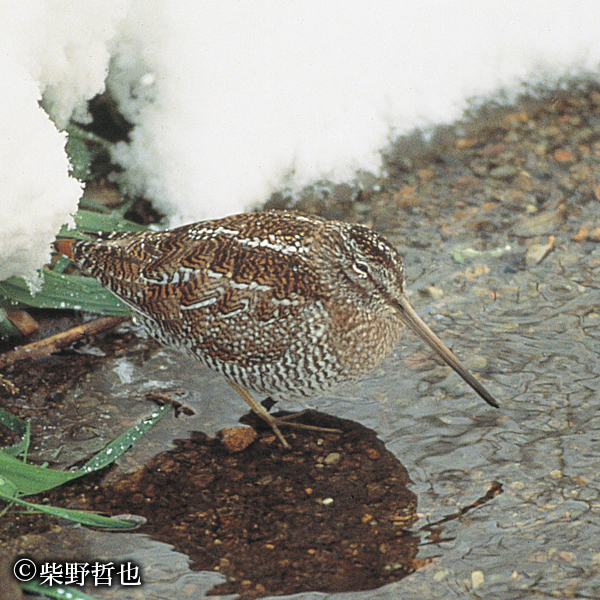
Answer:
(477, 579)
(537, 252)
(236, 439)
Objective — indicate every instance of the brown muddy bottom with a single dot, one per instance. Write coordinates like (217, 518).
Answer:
(332, 514)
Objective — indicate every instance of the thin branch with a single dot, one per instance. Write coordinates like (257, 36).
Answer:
(54, 342)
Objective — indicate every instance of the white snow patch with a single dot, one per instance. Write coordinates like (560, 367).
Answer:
(36, 193)
(231, 99)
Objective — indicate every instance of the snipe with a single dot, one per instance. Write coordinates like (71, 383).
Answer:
(282, 304)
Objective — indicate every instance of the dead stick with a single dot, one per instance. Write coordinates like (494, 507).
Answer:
(54, 342)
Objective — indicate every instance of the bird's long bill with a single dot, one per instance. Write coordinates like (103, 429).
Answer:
(412, 319)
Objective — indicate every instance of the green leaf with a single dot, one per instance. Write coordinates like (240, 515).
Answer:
(121, 444)
(6, 327)
(86, 150)
(78, 132)
(8, 489)
(65, 291)
(18, 426)
(91, 220)
(31, 479)
(63, 591)
(17, 477)
(462, 255)
(79, 157)
(12, 422)
(78, 516)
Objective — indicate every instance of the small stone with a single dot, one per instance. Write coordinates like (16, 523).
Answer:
(477, 579)
(537, 252)
(432, 291)
(463, 143)
(425, 174)
(504, 172)
(332, 459)
(493, 149)
(594, 235)
(585, 235)
(546, 222)
(567, 556)
(372, 453)
(581, 235)
(236, 439)
(564, 156)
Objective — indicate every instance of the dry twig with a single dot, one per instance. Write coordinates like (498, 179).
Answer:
(54, 342)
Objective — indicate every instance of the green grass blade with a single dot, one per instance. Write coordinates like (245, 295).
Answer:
(18, 426)
(91, 220)
(79, 516)
(14, 423)
(8, 489)
(6, 327)
(31, 479)
(121, 444)
(80, 158)
(60, 591)
(65, 291)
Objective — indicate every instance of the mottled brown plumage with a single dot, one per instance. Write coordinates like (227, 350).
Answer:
(280, 303)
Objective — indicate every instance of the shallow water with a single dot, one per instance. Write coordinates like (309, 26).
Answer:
(530, 330)
(537, 342)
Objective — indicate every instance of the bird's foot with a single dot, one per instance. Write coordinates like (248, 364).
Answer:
(287, 421)
(276, 422)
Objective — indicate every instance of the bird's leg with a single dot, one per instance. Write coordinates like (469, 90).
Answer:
(262, 412)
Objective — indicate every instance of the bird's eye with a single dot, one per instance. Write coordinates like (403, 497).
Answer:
(361, 269)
